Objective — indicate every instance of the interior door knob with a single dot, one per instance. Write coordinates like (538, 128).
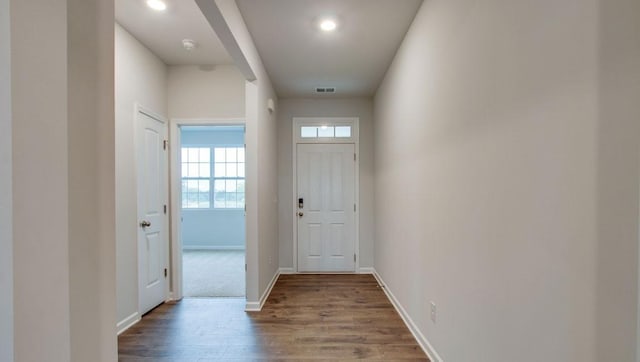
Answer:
(145, 224)
(301, 214)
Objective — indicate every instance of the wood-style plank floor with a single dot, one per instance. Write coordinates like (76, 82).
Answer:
(307, 317)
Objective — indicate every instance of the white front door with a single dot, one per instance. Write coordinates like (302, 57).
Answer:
(152, 222)
(326, 207)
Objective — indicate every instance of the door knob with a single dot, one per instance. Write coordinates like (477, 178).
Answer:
(300, 214)
(145, 224)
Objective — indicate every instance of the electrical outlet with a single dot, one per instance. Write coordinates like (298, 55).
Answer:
(433, 311)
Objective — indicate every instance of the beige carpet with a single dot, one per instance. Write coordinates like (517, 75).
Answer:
(218, 273)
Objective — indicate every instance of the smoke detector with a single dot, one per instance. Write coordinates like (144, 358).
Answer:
(189, 44)
(325, 90)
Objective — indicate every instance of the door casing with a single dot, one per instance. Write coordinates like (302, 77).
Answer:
(296, 139)
(176, 292)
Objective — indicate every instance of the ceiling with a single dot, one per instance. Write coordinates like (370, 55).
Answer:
(353, 59)
(162, 32)
(297, 55)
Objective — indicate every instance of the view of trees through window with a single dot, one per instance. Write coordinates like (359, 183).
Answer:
(213, 177)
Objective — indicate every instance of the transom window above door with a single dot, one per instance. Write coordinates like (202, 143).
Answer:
(325, 130)
(213, 177)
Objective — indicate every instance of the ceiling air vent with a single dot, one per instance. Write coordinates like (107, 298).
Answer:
(324, 90)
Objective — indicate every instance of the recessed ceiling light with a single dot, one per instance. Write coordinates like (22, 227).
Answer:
(157, 5)
(328, 25)
(189, 44)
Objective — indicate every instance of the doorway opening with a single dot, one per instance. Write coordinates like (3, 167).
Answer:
(211, 177)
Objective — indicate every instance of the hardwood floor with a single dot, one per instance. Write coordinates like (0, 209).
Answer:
(319, 317)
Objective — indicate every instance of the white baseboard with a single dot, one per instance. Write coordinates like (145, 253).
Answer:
(366, 270)
(287, 271)
(212, 247)
(252, 307)
(417, 334)
(172, 298)
(257, 306)
(128, 322)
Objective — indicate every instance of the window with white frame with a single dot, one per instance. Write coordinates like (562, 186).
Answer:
(228, 182)
(196, 176)
(213, 177)
(325, 131)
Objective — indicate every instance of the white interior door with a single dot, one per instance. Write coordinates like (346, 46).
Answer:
(152, 222)
(326, 207)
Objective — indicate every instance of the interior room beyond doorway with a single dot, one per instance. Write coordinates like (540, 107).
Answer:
(212, 165)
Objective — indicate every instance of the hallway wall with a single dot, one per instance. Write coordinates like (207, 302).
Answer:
(44, 322)
(63, 184)
(354, 107)
(203, 92)
(6, 234)
(618, 147)
(506, 148)
(40, 320)
(91, 158)
(141, 77)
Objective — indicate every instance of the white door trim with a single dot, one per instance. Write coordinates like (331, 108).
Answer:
(175, 241)
(296, 139)
(138, 108)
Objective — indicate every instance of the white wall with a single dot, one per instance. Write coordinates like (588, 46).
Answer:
(506, 148)
(262, 179)
(213, 229)
(267, 158)
(205, 92)
(91, 160)
(354, 107)
(62, 150)
(140, 77)
(6, 237)
(41, 250)
(618, 146)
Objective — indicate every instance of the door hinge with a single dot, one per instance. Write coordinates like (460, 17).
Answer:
(165, 144)
(165, 272)
(354, 156)
(165, 209)
(354, 207)
(354, 257)
(245, 268)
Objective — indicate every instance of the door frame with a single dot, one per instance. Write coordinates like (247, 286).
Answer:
(355, 140)
(138, 108)
(175, 240)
